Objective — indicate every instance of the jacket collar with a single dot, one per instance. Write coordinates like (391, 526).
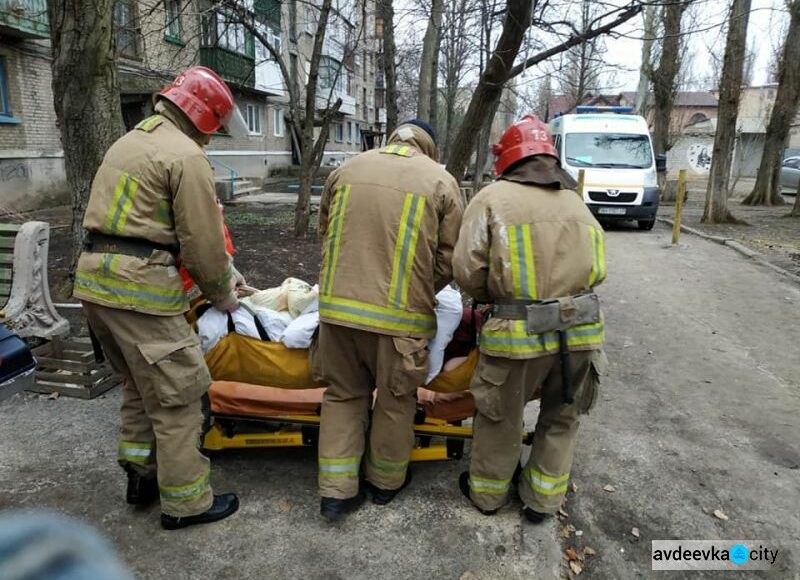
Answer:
(537, 171)
(414, 137)
(175, 116)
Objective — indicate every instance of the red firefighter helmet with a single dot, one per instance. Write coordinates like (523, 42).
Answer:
(205, 98)
(525, 138)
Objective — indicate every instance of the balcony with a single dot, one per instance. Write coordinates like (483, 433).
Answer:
(24, 18)
(348, 106)
(231, 66)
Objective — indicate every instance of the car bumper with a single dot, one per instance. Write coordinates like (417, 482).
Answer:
(612, 211)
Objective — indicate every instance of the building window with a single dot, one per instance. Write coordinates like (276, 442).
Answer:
(5, 107)
(127, 41)
(277, 122)
(232, 36)
(339, 132)
(380, 97)
(351, 85)
(330, 74)
(358, 134)
(349, 131)
(254, 119)
(173, 31)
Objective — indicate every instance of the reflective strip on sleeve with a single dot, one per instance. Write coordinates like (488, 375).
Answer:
(115, 291)
(377, 317)
(135, 452)
(523, 270)
(340, 467)
(518, 341)
(338, 209)
(405, 249)
(386, 467)
(186, 492)
(598, 256)
(483, 485)
(124, 193)
(163, 213)
(544, 484)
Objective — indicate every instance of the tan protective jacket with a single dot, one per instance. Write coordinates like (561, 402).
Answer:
(526, 242)
(155, 184)
(389, 219)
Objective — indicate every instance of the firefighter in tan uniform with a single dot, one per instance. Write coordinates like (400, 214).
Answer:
(530, 246)
(389, 219)
(153, 200)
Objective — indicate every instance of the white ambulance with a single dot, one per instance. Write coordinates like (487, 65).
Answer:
(614, 149)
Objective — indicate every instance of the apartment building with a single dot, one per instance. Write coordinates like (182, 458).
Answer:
(155, 39)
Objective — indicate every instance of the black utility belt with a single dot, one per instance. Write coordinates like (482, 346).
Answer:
(136, 247)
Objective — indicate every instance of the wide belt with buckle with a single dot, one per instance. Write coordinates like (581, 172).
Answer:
(136, 247)
(552, 314)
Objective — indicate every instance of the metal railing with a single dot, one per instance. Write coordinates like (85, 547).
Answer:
(232, 174)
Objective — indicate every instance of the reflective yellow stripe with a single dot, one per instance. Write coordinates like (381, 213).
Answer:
(397, 149)
(340, 467)
(163, 213)
(115, 291)
(378, 317)
(124, 194)
(405, 248)
(545, 484)
(386, 467)
(598, 257)
(135, 452)
(186, 492)
(518, 341)
(483, 485)
(338, 209)
(523, 271)
(149, 123)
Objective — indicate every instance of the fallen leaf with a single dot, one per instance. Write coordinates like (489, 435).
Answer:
(567, 530)
(54, 396)
(570, 554)
(719, 514)
(285, 506)
(575, 567)
(635, 532)
(589, 551)
(574, 487)
(609, 488)
(562, 514)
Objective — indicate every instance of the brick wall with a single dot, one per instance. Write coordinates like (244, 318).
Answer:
(31, 99)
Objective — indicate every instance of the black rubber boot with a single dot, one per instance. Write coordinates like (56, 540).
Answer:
(384, 496)
(535, 517)
(141, 490)
(463, 484)
(334, 509)
(223, 506)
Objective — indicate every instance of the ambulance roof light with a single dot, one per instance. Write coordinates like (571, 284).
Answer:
(596, 109)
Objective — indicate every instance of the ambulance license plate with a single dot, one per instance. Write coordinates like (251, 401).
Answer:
(611, 210)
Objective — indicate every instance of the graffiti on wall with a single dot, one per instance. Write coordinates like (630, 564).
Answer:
(14, 170)
(699, 157)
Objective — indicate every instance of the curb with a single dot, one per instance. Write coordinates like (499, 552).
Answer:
(733, 244)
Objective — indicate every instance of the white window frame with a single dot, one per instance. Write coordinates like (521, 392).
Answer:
(338, 132)
(253, 117)
(277, 122)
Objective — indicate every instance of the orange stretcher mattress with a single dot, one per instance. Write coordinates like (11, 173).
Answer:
(247, 400)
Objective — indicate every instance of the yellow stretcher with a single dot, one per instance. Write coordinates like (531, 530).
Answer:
(263, 395)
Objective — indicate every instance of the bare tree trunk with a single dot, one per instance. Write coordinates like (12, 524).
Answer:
(434, 106)
(767, 187)
(389, 50)
(426, 70)
(646, 69)
(87, 101)
(308, 165)
(490, 85)
(665, 84)
(716, 209)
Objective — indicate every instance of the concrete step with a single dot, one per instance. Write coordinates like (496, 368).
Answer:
(240, 191)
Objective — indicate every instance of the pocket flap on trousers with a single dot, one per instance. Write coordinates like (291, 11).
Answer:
(407, 346)
(600, 362)
(493, 373)
(157, 351)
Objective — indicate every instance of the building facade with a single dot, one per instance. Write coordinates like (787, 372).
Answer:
(156, 39)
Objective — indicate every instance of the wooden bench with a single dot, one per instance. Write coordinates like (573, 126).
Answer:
(25, 304)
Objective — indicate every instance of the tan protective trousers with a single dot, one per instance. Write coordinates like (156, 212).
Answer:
(166, 376)
(501, 388)
(354, 363)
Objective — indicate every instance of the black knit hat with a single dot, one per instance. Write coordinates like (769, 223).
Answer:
(425, 126)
